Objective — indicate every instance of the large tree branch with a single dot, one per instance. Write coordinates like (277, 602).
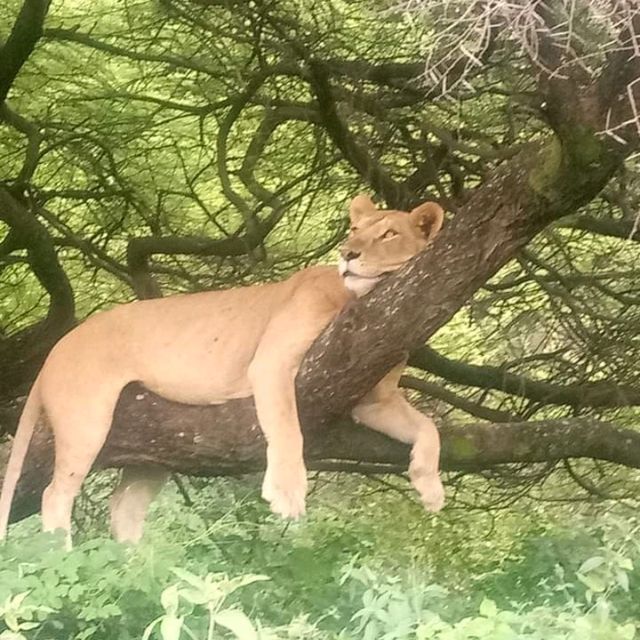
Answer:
(26, 32)
(592, 394)
(22, 354)
(202, 441)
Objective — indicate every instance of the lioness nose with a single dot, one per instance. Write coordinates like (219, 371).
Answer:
(350, 255)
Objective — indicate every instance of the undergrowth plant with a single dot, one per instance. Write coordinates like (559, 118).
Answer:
(226, 568)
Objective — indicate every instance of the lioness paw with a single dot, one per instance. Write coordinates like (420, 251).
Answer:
(430, 488)
(284, 488)
(432, 496)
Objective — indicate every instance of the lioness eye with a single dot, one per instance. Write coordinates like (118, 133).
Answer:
(389, 233)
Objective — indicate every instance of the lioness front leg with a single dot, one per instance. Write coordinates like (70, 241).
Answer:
(386, 410)
(272, 375)
(285, 481)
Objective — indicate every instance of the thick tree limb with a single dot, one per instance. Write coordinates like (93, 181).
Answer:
(206, 441)
(593, 394)
(26, 32)
(623, 229)
(22, 354)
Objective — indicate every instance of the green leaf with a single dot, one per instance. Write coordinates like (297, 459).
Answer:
(623, 580)
(170, 599)
(488, 608)
(194, 596)
(591, 564)
(237, 622)
(593, 582)
(12, 635)
(243, 581)
(170, 627)
(11, 620)
(149, 628)
(190, 578)
(16, 601)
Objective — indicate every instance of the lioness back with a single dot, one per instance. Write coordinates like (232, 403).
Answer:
(193, 348)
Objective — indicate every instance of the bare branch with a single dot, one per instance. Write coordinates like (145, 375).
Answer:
(623, 229)
(139, 250)
(22, 353)
(371, 172)
(42, 257)
(438, 392)
(26, 32)
(70, 35)
(594, 394)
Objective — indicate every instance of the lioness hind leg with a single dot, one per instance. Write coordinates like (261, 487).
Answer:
(394, 416)
(139, 485)
(78, 437)
(57, 503)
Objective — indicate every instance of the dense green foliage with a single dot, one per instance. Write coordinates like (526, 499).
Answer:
(362, 565)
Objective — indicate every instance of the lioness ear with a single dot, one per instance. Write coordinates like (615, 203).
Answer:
(428, 217)
(360, 206)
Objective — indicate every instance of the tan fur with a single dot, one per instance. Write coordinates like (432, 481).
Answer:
(204, 348)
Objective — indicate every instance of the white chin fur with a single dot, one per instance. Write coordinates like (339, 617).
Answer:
(360, 286)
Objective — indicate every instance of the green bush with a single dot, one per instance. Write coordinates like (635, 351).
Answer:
(226, 568)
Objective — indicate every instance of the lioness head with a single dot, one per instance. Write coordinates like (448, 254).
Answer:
(380, 242)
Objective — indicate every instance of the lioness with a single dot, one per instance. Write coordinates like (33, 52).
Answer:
(206, 348)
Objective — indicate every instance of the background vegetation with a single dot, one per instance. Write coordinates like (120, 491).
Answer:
(177, 145)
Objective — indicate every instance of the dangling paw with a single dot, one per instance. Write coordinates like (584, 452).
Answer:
(424, 475)
(431, 491)
(427, 483)
(284, 487)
